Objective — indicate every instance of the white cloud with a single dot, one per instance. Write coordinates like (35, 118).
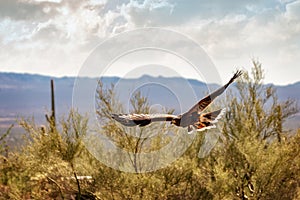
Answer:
(270, 36)
(26, 10)
(53, 36)
(293, 10)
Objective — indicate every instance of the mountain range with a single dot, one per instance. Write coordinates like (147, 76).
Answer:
(26, 95)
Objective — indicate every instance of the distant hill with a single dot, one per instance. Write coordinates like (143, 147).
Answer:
(29, 94)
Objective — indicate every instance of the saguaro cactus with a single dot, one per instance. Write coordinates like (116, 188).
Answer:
(51, 120)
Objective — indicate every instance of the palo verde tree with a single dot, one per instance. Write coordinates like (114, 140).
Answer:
(180, 179)
(134, 140)
(257, 159)
(46, 166)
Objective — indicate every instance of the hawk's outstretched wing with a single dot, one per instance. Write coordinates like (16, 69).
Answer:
(142, 119)
(203, 103)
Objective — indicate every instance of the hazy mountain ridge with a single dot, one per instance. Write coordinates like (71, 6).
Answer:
(29, 94)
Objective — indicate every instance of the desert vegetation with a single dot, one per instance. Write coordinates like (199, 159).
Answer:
(255, 157)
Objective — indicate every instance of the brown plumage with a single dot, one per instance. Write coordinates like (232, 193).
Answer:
(193, 118)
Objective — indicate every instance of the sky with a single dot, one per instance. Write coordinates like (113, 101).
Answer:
(55, 37)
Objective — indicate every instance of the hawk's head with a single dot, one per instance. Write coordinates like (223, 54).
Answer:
(175, 121)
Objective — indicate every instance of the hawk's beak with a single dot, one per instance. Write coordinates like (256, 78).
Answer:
(114, 116)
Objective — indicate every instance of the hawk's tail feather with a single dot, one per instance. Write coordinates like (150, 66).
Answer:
(207, 120)
(219, 114)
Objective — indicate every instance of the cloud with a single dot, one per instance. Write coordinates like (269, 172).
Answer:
(293, 10)
(53, 37)
(26, 10)
(272, 35)
(74, 22)
(43, 33)
(178, 12)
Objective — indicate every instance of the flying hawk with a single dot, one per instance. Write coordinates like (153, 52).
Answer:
(193, 119)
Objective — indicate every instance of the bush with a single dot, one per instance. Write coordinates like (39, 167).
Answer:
(254, 159)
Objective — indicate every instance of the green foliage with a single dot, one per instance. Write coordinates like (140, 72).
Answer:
(256, 158)
(254, 162)
(3, 136)
(45, 166)
(135, 140)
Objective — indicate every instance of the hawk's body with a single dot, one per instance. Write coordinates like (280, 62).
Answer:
(194, 118)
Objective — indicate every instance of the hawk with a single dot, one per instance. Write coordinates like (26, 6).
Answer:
(193, 118)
